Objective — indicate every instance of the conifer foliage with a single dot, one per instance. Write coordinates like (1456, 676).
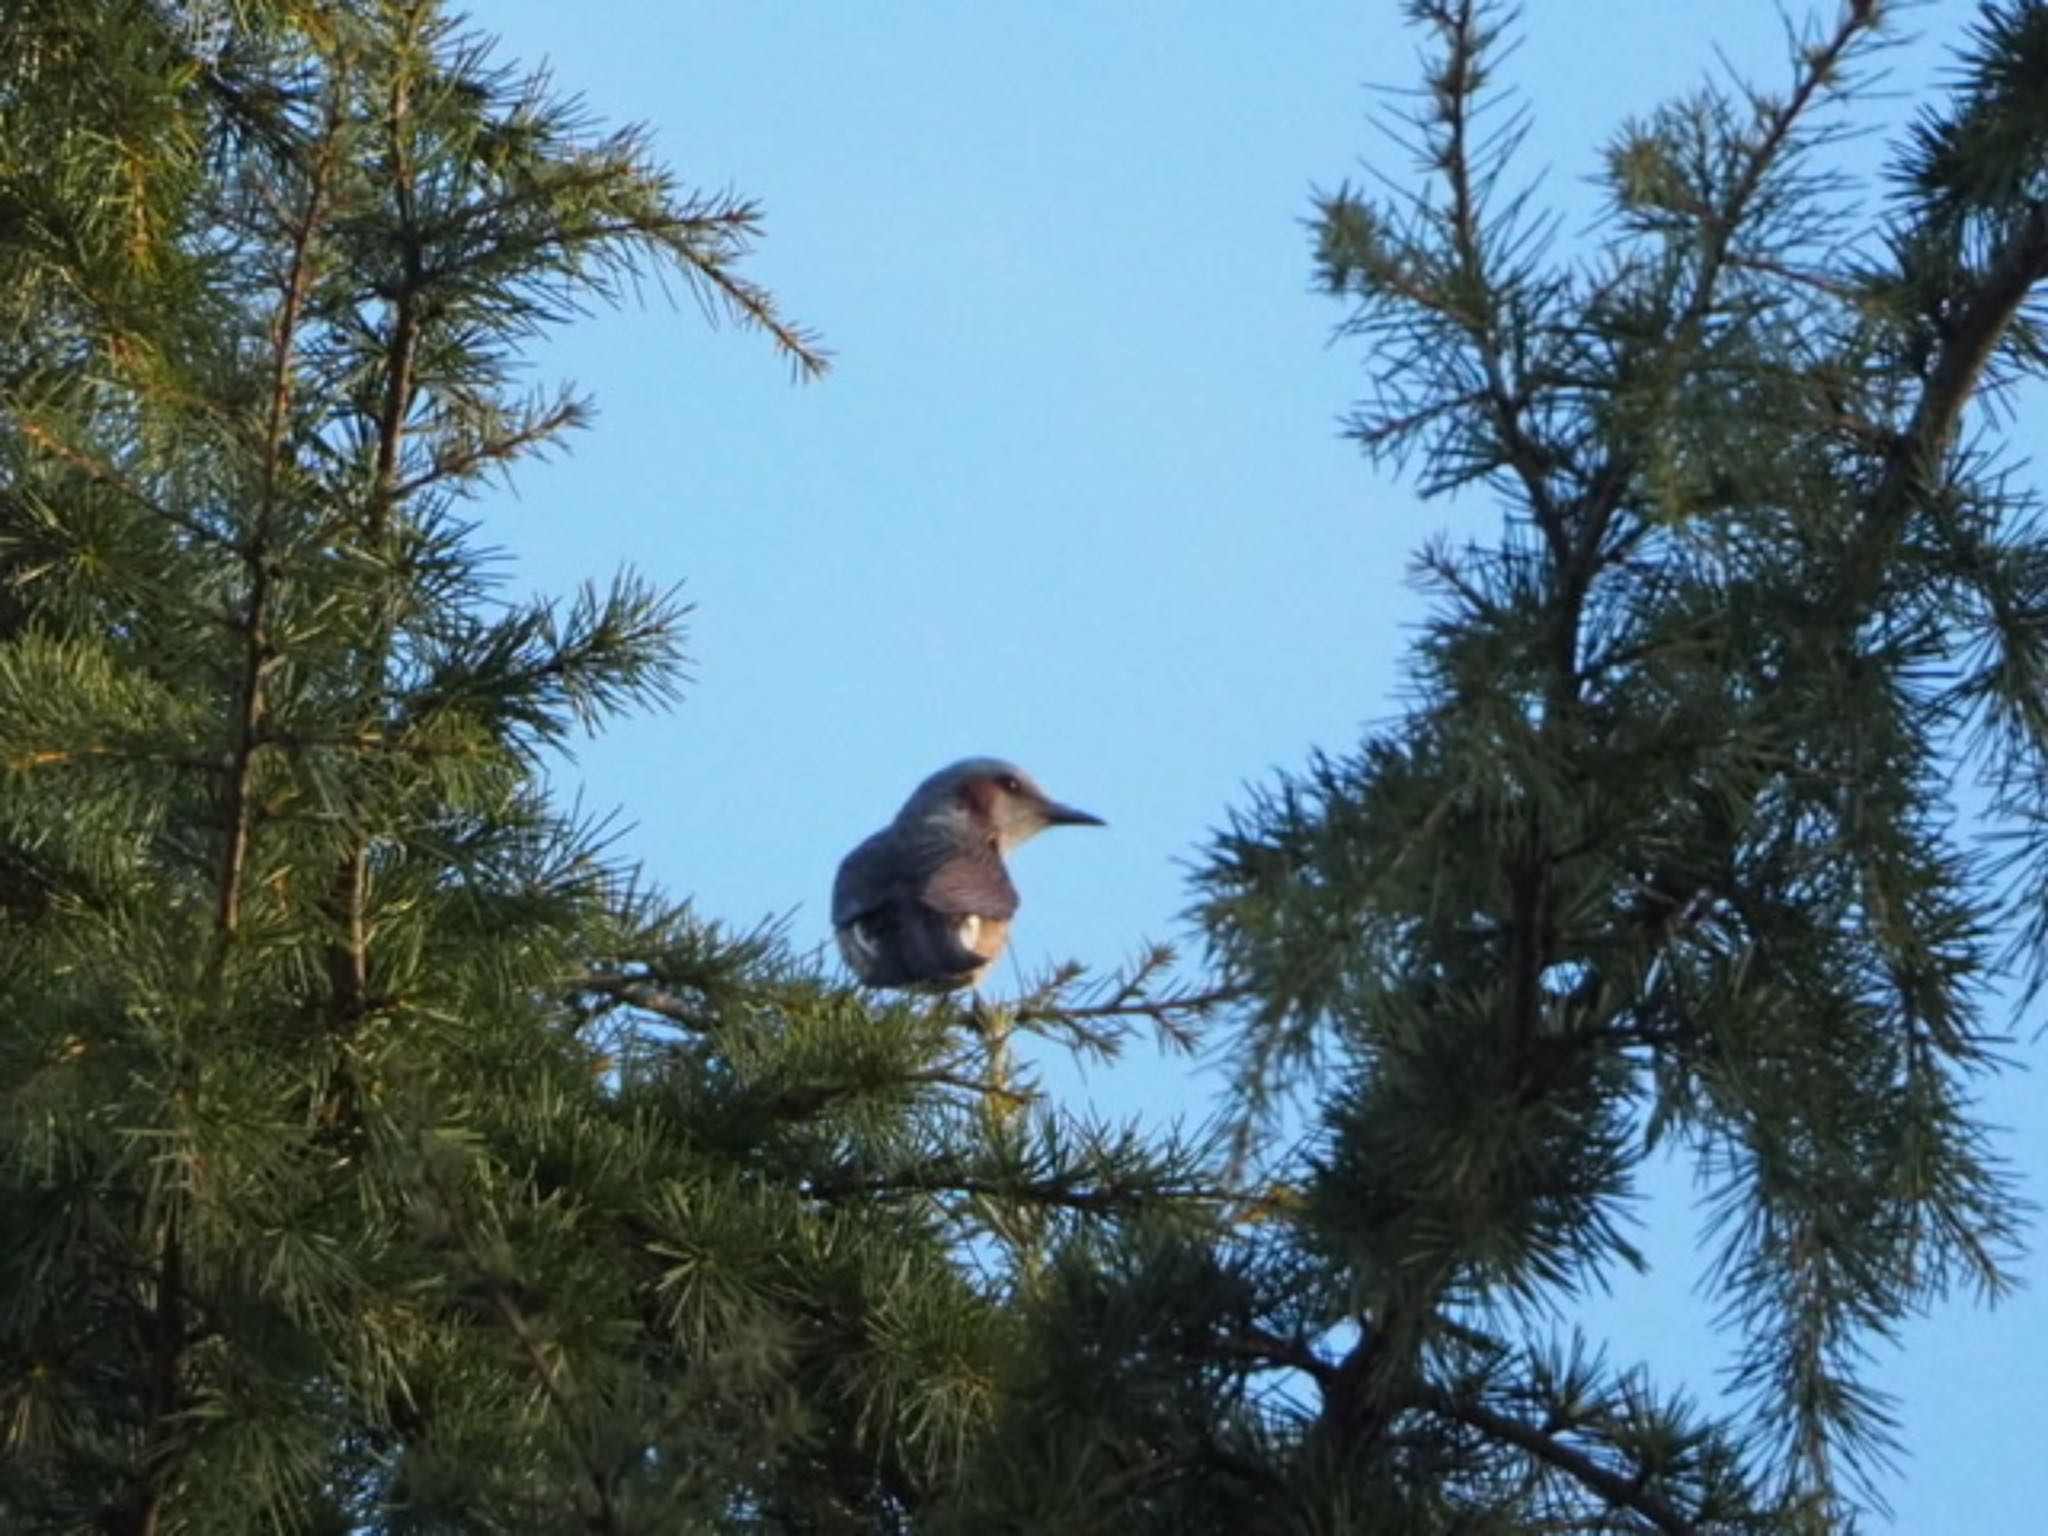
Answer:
(1669, 850)
(1675, 851)
(375, 1155)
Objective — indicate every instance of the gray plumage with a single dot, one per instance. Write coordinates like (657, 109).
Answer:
(926, 902)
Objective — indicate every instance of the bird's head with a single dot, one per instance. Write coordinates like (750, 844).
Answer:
(988, 796)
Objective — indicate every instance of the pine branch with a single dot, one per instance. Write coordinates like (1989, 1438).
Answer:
(1913, 469)
(948, 1181)
(1117, 1000)
(348, 961)
(237, 810)
(167, 1331)
(103, 473)
(1611, 1487)
(1820, 68)
(806, 355)
(461, 463)
(164, 1337)
(454, 1214)
(1163, 1011)
(1262, 1350)
(1456, 90)
(648, 996)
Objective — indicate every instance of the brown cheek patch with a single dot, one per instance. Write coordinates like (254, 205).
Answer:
(979, 796)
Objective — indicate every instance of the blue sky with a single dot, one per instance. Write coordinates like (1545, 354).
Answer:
(1075, 492)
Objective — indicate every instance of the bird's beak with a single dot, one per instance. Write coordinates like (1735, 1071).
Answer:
(1057, 815)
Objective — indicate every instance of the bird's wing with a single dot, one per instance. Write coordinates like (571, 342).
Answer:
(869, 878)
(971, 884)
(912, 912)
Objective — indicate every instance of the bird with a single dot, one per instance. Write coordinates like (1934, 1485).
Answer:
(925, 903)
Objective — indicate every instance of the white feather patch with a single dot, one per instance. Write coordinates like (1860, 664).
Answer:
(859, 948)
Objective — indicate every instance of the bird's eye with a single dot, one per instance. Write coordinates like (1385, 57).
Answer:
(1011, 784)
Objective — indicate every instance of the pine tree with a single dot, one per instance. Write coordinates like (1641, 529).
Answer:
(1675, 849)
(377, 1152)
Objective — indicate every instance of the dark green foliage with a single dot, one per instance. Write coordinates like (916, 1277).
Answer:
(1675, 849)
(374, 1155)
(1669, 846)
(377, 1155)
